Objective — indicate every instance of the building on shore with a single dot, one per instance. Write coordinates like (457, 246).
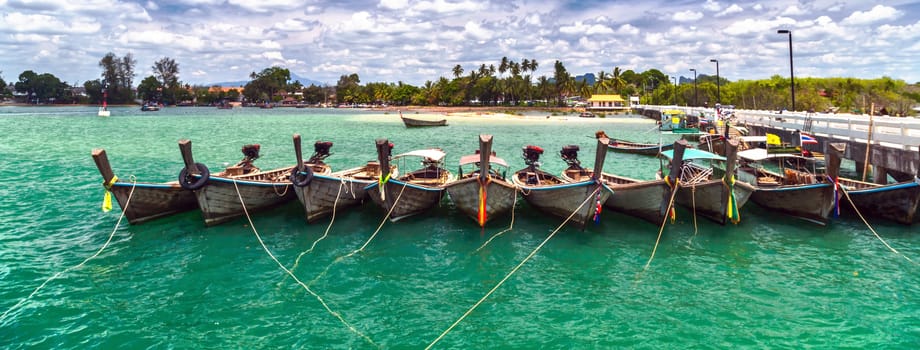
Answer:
(611, 103)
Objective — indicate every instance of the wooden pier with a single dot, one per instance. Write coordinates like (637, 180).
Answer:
(892, 142)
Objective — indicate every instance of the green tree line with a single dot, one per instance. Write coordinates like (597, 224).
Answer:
(505, 82)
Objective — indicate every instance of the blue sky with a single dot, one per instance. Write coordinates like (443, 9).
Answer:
(414, 41)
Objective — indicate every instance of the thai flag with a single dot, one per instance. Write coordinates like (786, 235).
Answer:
(808, 139)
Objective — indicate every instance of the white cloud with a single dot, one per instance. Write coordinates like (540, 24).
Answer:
(585, 29)
(792, 11)
(712, 6)
(394, 4)
(627, 29)
(734, 8)
(687, 16)
(474, 30)
(877, 13)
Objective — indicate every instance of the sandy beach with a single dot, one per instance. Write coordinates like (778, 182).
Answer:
(530, 114)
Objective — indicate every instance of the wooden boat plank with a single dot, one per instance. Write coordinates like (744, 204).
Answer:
(501, 196)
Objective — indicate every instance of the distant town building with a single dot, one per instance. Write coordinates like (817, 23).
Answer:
(607, 103)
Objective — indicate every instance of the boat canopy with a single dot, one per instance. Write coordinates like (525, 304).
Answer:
(672, 111)
(754, 138)
(693, 153)
(759, 154)
(473, 158)
(433, 154)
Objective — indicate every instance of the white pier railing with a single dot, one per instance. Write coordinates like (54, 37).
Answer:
(893, 132)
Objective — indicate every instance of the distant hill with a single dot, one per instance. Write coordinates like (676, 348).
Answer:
(294, 77)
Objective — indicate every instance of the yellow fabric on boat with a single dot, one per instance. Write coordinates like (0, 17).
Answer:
(107, 199)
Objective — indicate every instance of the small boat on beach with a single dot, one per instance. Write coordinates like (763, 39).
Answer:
(413, 193)
(483, 193)
(148, 200)
(219, 195)
(708, 190)
(800, 189)
(150, 107)
(415, 122)
(581, 201)
(586, 114)
(321, 194)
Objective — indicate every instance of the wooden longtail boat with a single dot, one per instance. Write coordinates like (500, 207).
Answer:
(638, 198)
(320, 194)
(414, 192)
(800, 192)
(897, 202)
(624, 146)
(707, 190)
(484, 193)
(219, 194)
(414, 122)
(148, 200)
(554, 195)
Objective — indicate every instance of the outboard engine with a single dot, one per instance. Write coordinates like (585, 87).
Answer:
(531, 155)
(570, 156)
(251, 152)
(320, 151)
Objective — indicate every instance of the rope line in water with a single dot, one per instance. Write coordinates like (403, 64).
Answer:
(499, 284)
(664, 222)
(104, 245)
(385, 218)
(845, 192)
(326, 233)
(693, 199)
(307, 288)
(514, 193)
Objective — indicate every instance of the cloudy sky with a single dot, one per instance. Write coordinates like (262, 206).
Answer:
(418, 40)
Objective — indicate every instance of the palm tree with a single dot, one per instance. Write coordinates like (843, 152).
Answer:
(602, 83)
(458, 71)
(616, 81)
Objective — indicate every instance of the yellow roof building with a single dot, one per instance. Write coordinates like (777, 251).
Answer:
(607, 102)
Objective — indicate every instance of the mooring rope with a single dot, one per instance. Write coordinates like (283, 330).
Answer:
(307, 288)
(664, 222)
(385, 218)
(104, 245)
(326, 233)
(693, 200)
(842, 189)
(513, 205)
(499, 284)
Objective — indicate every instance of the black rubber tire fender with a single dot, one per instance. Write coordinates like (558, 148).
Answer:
(192, 183)
(302, 178)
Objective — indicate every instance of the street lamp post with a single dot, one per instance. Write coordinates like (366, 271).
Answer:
(718, 93)
(674, 95)
(791, 74)
(696, 101)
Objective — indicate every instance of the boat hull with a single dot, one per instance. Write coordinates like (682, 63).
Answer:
(326, 193)
(414, 123)
(500, 197)
(709, 198)
(897, 202)
(402, 199)
(812, 202)
(220, 202)
(637, 148)
(639, 199)
(152, 200)
(564, 199)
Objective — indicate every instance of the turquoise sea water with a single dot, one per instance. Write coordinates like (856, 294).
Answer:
(769, 282)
